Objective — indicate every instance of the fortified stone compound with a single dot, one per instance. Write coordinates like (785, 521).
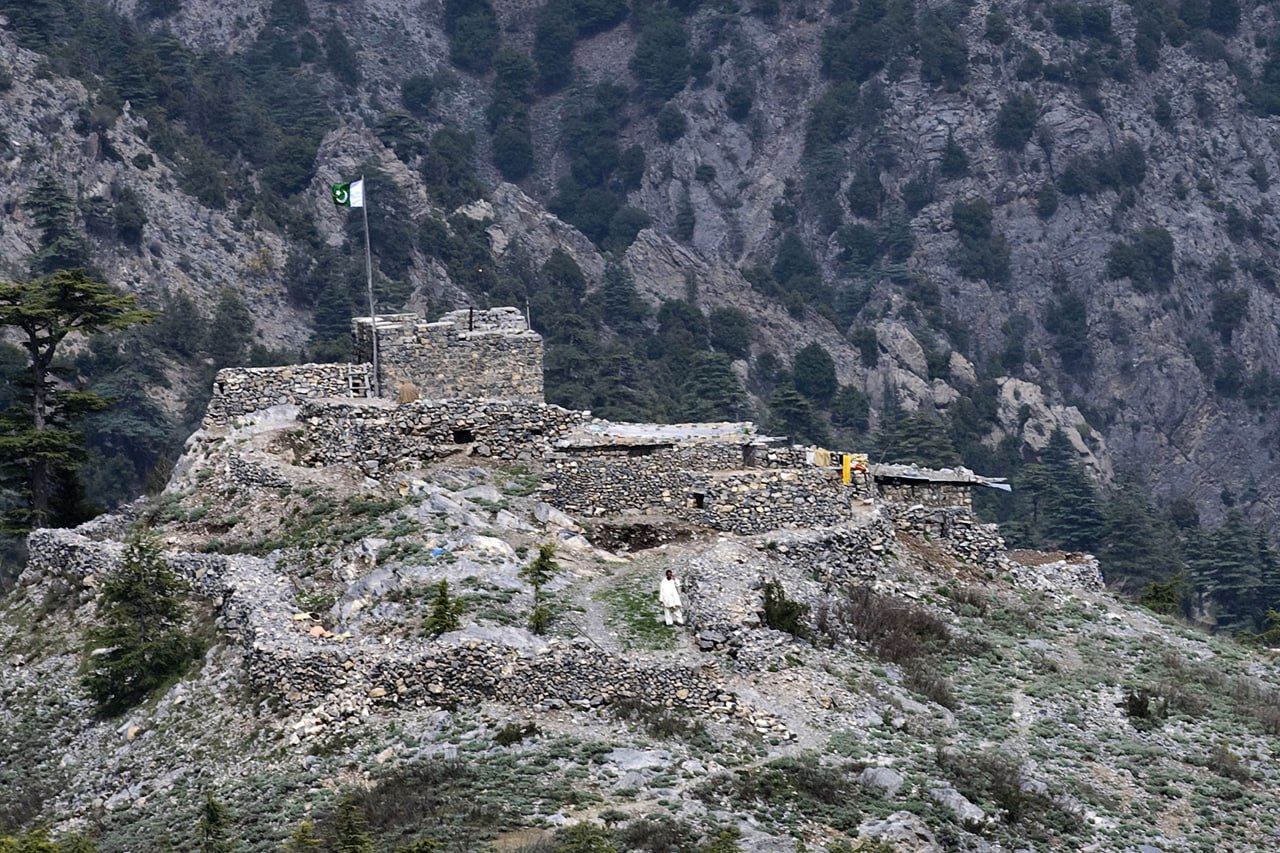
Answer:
(472, 382)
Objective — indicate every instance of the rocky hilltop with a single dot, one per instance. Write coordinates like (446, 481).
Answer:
(892, 678)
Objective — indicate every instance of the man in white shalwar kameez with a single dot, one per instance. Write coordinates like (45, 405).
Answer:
(669, 596)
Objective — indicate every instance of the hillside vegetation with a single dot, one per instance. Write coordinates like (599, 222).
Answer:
(931, 705)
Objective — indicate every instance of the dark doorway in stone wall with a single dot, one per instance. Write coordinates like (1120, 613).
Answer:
(749, 456)
(699, 500)
(463, 436)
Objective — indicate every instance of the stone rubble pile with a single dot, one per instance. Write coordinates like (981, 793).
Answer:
(250, 475)
(1066, 572)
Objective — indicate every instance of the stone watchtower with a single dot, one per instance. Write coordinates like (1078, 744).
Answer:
(466, 354)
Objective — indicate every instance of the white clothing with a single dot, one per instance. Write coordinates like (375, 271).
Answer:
(669, 593)
(669, 596)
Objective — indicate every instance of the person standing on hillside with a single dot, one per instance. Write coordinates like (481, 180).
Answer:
(669, 597)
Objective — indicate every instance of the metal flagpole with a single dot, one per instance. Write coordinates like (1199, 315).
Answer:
(373, 311)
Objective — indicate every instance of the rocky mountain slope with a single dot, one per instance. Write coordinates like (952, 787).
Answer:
(1113, 249)
(936, 704)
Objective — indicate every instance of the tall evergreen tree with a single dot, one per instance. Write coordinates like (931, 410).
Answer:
(40, 439)
(815, 373)
(214, 826)
(1073, 518)
(139, 638)
(711, 391)
(62, 245)
(916, 438)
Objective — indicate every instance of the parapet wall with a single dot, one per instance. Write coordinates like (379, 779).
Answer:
(238, 391)
(383, 435)
(725, 486)
(464, 354)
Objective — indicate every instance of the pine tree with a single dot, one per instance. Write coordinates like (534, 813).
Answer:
(711, 391)
(815, 373)
(1072, 519)
(215, 826)
(351, 830)
(1228, 575)
(620, 303)
(538, 574)
(62, 247)
(793, 415)
(1137, 548)
(139, 639)
(445, 611)
(303, 839)
(919, 439)
(39, 438)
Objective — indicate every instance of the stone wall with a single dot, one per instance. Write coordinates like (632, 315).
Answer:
(925, 493)
(955, 526)
(240, 390)
(376, 436)
(285, 658)
(465, 354)
(707, 484)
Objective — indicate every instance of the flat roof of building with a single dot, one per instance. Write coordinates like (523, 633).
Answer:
(950, 476)
(600, 433)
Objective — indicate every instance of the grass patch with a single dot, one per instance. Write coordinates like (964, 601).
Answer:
(633, 613)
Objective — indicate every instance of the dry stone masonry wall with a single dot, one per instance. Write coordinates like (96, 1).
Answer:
(238, 391)
(381, 436)
(465, 354)
(929, 494)
(286, 659)
(954, 526)
(735, 486)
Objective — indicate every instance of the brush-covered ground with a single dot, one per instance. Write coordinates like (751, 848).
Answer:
(940, 707)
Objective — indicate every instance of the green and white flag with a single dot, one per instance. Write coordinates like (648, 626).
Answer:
(349, 195)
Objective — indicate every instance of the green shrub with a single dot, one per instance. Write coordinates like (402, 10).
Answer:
(671, 123)
(513, 733)
(661, 58)
(1016, 121)
(417, 93)
(954, 162)
(782, 613)
(983, 253)
(472, 28)
(1145, 258)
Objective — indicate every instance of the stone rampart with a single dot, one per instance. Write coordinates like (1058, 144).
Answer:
(464, 354)
(240, 390)
(380, 435)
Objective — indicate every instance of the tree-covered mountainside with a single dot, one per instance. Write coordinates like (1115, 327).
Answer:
(1036, 240)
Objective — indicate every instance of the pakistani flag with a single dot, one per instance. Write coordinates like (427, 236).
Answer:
(349, 195)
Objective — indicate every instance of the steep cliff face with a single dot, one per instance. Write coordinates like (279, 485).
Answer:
(1112, 250)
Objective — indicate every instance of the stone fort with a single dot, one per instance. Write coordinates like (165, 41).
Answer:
(471, 382)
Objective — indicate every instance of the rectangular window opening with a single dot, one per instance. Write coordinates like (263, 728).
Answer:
(463, 436)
